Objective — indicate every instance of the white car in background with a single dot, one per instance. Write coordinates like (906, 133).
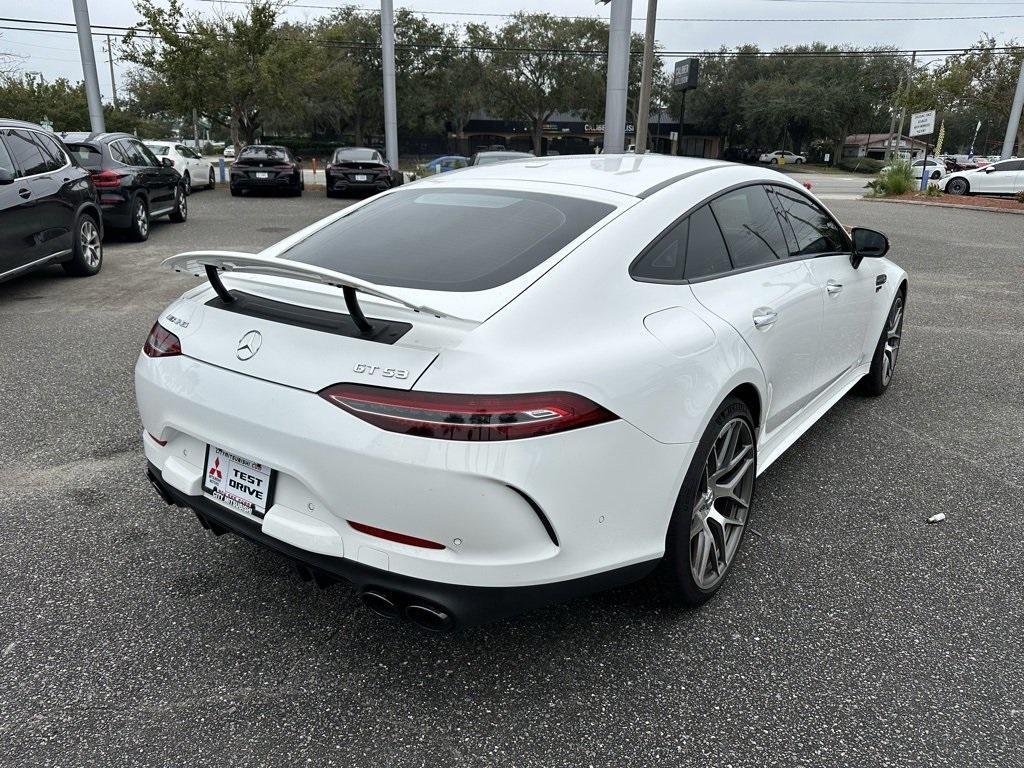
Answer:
(495, 389)
(1003, 178)
(229, 152)
(195, 170)
(935, 169)
(782, 155)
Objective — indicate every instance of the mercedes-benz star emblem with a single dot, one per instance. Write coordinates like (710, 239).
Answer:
(249, 345)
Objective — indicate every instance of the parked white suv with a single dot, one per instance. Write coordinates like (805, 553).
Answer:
(195, 170)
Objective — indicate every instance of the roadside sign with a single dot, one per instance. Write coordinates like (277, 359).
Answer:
(922, 123)
(684, 76)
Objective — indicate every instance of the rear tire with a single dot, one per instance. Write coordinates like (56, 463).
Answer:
(235, 192)
(138, 230)
(87, 251)
(186, 180)
(713, 509)
(959, 187)
(883, 362)
(180, 213)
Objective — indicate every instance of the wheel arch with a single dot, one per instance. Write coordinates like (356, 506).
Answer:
(748, 394)
(93, 210)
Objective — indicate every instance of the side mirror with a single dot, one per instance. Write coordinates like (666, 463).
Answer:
(868, 244)
(298, 159)
(6, 176)
(989, 169)
(166, 162)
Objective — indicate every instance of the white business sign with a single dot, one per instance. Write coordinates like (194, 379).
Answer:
(922, 123)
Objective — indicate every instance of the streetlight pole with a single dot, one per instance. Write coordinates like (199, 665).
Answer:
(644, 108)
(618, 76)
(92, 81)
(1014, 122)
(387, 37)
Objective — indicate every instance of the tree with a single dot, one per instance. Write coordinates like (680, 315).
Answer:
(221, 65)
(531, 71)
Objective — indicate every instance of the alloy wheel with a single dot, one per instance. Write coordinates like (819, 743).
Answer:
(722, 502)
(893, 334)
(182, 206)
(958, 187)
(141, 218)
(89, 239)
(188, 183)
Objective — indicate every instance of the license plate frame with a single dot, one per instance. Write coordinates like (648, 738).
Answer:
(361, 177)
(216, 479)
(262, 175)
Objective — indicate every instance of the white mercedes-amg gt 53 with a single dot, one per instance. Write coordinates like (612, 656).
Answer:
(499, 388)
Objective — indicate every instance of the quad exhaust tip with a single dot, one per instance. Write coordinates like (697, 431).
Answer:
(392, 606)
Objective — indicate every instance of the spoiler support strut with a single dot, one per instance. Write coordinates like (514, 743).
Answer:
(355, 310)
(214, 277)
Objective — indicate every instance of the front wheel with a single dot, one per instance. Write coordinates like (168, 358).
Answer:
(774, 161)
(883, 363)
(187, 181)
(87, 254)
(713, 508)
(958, 187)
(213, 180)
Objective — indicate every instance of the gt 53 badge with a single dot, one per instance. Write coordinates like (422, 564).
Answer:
(376, 370)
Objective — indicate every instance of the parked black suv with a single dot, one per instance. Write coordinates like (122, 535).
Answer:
(266, 166)
(48, 207)
(133, 184)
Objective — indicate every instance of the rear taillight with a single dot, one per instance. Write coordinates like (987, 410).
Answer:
(106, 179)
(161, 343)
(467, 417)
(401, 538)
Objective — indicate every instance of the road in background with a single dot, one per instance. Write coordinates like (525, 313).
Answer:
(850, 633)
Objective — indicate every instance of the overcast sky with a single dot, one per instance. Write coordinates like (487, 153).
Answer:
(795, 22)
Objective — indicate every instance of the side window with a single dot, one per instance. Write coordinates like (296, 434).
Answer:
(145, 153)
(706, 253)
(6, 163)
(750, 227)
(119, 152)
(664, 260)
(26, 154)
(814, 229)
(53, 153)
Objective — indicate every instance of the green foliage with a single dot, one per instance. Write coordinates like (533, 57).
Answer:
(1020, 197)
(861, 164)
(898, 179)
(932, 190)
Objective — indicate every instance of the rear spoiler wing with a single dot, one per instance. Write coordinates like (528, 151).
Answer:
(211, 263)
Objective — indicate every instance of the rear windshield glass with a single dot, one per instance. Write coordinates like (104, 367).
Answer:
(364, 155)
(449, 240)
(275, 154)
(500, 157)
(157, 149)
(87, 157)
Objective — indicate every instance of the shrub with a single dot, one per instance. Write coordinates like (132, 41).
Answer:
(897, 179)
(933, 190)
(1020, 197)
(861, 164)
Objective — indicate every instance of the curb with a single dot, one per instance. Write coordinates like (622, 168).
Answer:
(945, 205)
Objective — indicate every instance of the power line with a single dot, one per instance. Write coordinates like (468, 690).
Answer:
(690, 19)
(121, 32)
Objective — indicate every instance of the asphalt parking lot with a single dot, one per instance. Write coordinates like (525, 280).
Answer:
(851, 633)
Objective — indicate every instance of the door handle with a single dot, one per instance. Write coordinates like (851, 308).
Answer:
(765, 317)
(833, 288)
(25, 192)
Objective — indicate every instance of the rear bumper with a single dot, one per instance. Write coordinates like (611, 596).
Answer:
(279, 182)
(468, 605)
(340, 183)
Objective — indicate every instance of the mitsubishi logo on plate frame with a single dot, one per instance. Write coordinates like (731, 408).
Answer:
(249, 345)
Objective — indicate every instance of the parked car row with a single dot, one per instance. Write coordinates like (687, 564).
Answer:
(1003, 178)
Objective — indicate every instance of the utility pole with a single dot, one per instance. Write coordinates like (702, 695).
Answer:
(113, 80)
(1014, 122)
(646, 74)
(92, 82)
(387, 37)
(618, 76)
(892, 121)
(906, 102)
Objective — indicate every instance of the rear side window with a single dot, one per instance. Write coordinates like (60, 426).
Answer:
(750, 227)
(814, 230)
(53, 155)
(88, 157)
(449, 240)
(6, 163)
(26, 153)
(706, 253)
(665, 259)
(148, 158)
